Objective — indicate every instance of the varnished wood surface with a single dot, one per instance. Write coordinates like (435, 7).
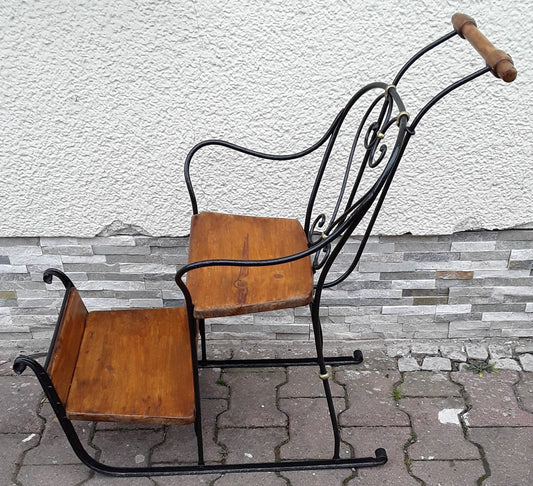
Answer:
(134, 366)
(65, 353)
(499, 62)
(229, 290)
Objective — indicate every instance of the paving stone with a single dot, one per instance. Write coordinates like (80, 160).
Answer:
(448, 473)
(246, 445)
(492, 399)
(508, 452)
(498, 351)
(423, 349)
(370, 400)
(435, 363)
(100, 480)
(429, 384)
(185, 480)
(366, 440)
(477, 351)
(506, 364)
(211, 384)
(127, 447)
(54, 447)
(303, 381)
(408, 364)
(12, 446)
(526, 360)
(49, 475)
(6, 366)
(19, 400)
(334, 477)
(524, 390)
(398, 350)
(246, 479)
(439, 434)
(455, 353)
(524, 348)
(252, 400)
(311, 436)
(180, 444)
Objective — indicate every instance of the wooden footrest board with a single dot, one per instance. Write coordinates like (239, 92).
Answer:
(134, 366)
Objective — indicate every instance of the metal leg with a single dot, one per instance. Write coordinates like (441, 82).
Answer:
(201, 328)
(324, 375)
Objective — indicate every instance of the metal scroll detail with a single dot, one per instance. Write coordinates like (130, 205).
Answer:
(369, 146)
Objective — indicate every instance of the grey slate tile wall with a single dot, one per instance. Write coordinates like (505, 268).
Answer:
(462, 286)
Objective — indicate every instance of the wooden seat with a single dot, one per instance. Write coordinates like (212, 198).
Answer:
(230, 290)
(124, 365)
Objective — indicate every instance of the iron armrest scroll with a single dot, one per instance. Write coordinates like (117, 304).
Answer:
(500, 63)
(247, 151)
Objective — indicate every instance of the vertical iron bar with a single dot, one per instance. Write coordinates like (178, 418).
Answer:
(319, 344)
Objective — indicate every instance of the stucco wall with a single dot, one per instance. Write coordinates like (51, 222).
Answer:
(100, 102)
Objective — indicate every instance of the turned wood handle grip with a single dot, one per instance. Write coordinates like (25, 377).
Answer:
(499, 62)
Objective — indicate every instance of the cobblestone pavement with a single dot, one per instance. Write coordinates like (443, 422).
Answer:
(439, 428)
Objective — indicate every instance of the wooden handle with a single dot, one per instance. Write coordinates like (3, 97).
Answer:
(499, 62)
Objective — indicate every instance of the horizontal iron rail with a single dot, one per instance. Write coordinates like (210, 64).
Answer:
(357, 358)
(380, 459)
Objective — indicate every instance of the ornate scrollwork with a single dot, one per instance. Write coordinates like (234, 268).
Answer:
(321, 255)
(316, 228)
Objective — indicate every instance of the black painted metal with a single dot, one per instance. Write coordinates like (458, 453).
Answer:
(47, 278)
(281, 362)
(326, 238)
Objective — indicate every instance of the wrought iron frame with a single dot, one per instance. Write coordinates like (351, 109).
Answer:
(325, 242)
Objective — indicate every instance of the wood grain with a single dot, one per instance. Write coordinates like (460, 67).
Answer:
(229, 290)
(134, 366)
(65, 352)
(500, 63)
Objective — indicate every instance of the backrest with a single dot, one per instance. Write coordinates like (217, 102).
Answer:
(365, 144)
(65, 346)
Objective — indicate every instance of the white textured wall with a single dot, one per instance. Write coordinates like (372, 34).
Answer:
(100, 102)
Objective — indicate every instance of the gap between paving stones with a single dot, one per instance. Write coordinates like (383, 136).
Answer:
(415, 468)
(420, 468)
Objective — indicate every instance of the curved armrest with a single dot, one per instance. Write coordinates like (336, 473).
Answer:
(247, 151)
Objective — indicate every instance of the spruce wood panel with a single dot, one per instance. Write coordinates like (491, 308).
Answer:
(227, 290)
(134, 366)
(65, 353)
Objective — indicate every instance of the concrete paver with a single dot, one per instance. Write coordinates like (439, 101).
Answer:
(246, 445)
(12, 447)
(439, 428)
(100, 480)
(200, 480)
(524, 390)
(439, 434)
(54, 447)
(19, 401)
(180, 444)
(127, 447)
(448, 473)
(429, 384)
(318, 478)
(366, 440)
(509, 451)
(303, 381)
(310, 432)
(246, 479)
(48, 475)
(252, 400)
(370, 398)
(493, 400)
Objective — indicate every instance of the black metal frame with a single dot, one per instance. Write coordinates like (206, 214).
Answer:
(326, 239)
